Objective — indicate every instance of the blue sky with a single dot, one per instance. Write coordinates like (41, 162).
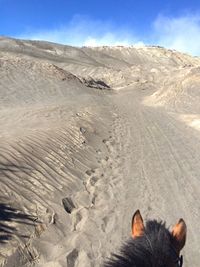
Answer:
(173, 23)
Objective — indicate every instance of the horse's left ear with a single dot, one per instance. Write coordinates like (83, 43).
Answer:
(137, 225)
(179, 232)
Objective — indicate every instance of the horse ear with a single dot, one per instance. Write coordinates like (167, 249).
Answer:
(137, 225)
(179, 235)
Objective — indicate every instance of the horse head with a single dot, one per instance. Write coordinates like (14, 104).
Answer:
(151, 245)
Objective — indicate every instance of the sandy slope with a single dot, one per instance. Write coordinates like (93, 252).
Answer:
(76, 162)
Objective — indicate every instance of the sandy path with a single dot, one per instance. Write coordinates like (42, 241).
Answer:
(140, 157)
(161, 168)
(152, 163)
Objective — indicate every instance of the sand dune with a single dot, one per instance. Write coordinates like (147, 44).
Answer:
(89, 135)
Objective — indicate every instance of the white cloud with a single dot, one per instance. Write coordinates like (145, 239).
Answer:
(82, 30)
(107, 39)
(181, 33)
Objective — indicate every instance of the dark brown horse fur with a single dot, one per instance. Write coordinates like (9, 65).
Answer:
(154, 248)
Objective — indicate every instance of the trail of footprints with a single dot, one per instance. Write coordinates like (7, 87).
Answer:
(102, 184)
(102, 187)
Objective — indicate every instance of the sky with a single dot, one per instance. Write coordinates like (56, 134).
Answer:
(174, 24)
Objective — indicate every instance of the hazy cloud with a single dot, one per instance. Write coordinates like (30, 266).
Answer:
(181, 33)
(82, 30)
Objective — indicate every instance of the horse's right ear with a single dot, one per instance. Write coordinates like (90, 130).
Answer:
(179, 232)
(137, 225)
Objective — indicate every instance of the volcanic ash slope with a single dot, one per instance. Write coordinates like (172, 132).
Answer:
(89, 135)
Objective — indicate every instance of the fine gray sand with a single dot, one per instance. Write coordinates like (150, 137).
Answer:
(87, 136)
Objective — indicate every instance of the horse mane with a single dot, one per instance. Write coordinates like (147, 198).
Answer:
(151, 249)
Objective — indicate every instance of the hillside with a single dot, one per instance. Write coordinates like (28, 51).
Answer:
(89, 135)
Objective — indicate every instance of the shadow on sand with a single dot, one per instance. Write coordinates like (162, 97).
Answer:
(12, 219)
(9, 215)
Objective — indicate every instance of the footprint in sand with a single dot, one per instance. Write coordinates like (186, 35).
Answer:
(94, 180)
(71, 208)
(108, 224)
(109, 144)
(90, 172)
(68, 204)
(72, 257)
(77, 220)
